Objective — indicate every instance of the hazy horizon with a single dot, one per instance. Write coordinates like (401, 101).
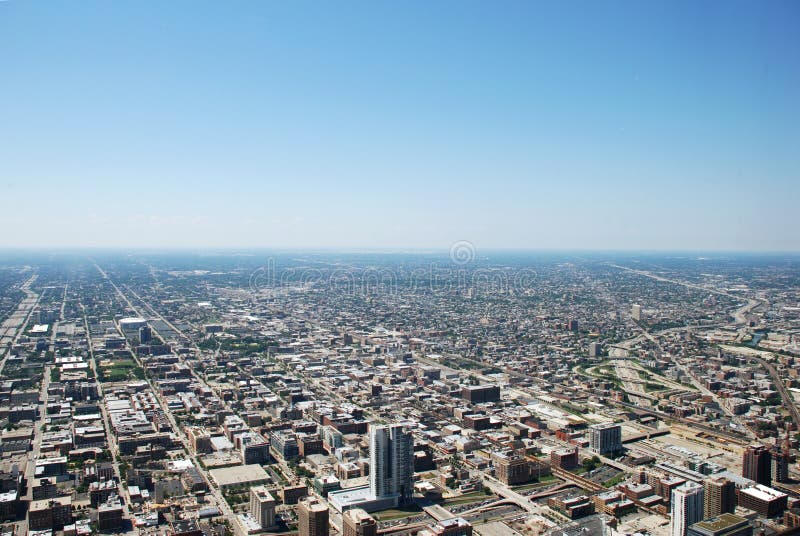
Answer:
(622, 126)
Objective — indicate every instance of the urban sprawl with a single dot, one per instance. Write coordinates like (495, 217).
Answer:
(172, 394)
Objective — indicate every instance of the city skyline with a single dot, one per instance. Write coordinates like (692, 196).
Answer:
(621, 126)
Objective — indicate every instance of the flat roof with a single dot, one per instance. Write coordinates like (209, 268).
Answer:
(350, 497)
(239, 474)
(722, 521)
(764, 493)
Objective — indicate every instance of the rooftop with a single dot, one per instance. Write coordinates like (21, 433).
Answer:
(239, 475)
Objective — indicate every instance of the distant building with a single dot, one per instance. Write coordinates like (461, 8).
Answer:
(636, 312)
(478, 394)
(757, 464)
(605, 438)
(687, 507)
(312, 518)
(780, 464)
(357, 522)
(284, 444)
(145, 335)
(595, 349)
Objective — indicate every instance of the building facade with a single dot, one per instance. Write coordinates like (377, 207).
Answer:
(687, 507)
(262, 506)
(757, 464)
(720, 497)
(312, 518)
(391, 459)
(605, 438)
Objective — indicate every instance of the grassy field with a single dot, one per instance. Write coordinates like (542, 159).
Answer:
(397, 513)
(118, 370)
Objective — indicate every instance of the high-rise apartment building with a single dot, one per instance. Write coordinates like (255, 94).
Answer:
(757, 464)
(687, 507)
(780, 462)
(262, 506)
(605, 438)
(312, 518)
(391, 461)
(720, 497)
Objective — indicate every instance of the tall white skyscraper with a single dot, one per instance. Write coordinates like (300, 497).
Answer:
(391, 463)
(687, 507)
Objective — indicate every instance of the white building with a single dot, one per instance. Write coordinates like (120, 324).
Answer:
(391, 463)
(687, 507)
(262, 506)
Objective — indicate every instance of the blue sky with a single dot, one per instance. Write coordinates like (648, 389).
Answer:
(602, 125)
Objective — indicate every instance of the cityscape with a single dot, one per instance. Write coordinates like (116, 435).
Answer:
(384, 268)
(400, 394)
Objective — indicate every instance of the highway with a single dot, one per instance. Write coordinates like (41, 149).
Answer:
(14, 326)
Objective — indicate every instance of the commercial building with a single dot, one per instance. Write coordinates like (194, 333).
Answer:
(478, 394)
(687, 507)
(512, 469)
(605, 438)
(723, 525)
(766, 501)
(239, 475)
